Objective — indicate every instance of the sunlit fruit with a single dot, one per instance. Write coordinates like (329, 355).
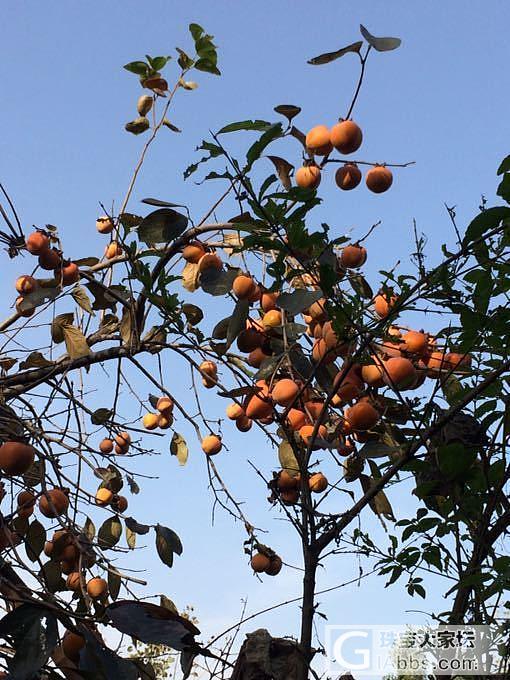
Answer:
(72, 644)
(318, 140)
(165, 420)
(318, 483)
(209, 368)
(97, 588)
(379, 179)
(23, 308)
(348, 384)
(306, 434)
(318, 311)
(362, 416)
(211, 444)
(285, 392)
(112, 250)
(103, 497)
(372, 374)
(249, 340)
(436, 361)
(25, 284)
(272, 319)
(308, 176)
(286, 481)
(193, 252)
(234, 411)
(348, 177)
(26, 503)
(255, 295)
(314, 409)
(104, 224)
(49, 259)
(73, 581)
(321, 353)
(353, 256)
(296, 419)
(164, 404)
(268, 301)
(243, 286)
(123, 439)
(106, 446)
(37, 242)
(383, 304)
(399, 372)
(415, 342)
(346, 136)
(209, 261)
(150, 421)
(16, 458)
(256, 357)
(244, 423)
(260, 563)
(259, 405)
(458, 361)
(69, 274)
(53, 503)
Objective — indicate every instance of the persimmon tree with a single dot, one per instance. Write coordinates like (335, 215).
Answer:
(357, 400)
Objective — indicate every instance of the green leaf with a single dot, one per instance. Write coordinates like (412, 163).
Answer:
(361, 286)
(184, 61)
(167, 603)
(245, 125)
(160, 204)
(299, 300)
(288, 110)
(193, 314)
(455, 459)
(485, 221)
(162, 226)
(196, 31)
(136, 527)
(82, 299)
(504, 188)
(109, 533)
(101, 416)
(114, 583)
(89, 529)
(287, 458)
(380, 44)
(217, 282)
(208, 66)
(327, 57)
(138, 67)
(505, 166)
(237, 321)
(35, 540)
(167, 543)
(158, 63)
(130, 538)
(179, 448)
(255, 150)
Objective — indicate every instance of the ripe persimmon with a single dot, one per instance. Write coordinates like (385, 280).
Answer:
(379, 179)
(244, 424)
(268, 301)
(150, 421)
(259, 563)
(353, 256)
(106, 446)
(287, 481)
(318, 141)
(165, 420)
(383, 304)
(208, 368)
(255, 295)
(415, 342)
(72, 644)
(123, 439)
(165, 404)
(69, 274)
(296, 419)
(53, 503)
(120, 504)
(25, 284)
(272, 319)
(193, 252)
(346, 136)
(318, 482)
(104, 224)
(209, 261)
(458, 361)
(73, 581)
(37, 243)
(243, 286)
(257, 356)
(249, 340)
(211, 444)
(308, 176)
(97, 588)
(112, 250)
(49, 259)
(285, 392)
(104, 497)
(259, 404)
(372, 374)
(26, 503)
(234, 411)
(348, 177)
(306, 433)
(16, 458)
(399, 372)
(289, 496)
(275, 566)
(314, 409)
(436, 361)
(362, 416)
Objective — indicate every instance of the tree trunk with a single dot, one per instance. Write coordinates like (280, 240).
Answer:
(308, 611)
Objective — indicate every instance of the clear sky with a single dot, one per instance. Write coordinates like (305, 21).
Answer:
(440, 100)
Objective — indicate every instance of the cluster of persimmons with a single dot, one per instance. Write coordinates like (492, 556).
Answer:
(346, 137)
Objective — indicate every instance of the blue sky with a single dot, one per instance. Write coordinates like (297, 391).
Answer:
(439, 100)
